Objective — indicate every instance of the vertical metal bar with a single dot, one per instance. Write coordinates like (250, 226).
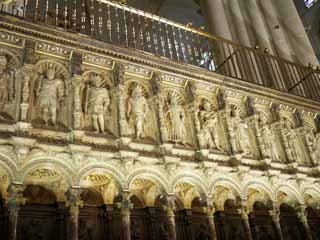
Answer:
(36, 11)
(169, 42)
(125, 27)
(109, 25)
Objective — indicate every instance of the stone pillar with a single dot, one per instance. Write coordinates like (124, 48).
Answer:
(25, 94)
(14, 202)
(276, 29)
(239, 22)
(125, 215)
(296, 33)
(77, 112)
(215, 14)
(171, 217)
(275, 214)
(74, 202)
(301, 212)
(258, 25)
(210, 216)
(245, 219)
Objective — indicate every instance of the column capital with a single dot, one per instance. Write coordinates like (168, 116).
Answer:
(15, 196)
(74, 201)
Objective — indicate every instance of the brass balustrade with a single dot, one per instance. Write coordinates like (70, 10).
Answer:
(119, 24)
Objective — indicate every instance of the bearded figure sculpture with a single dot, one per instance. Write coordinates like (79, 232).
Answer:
(137, 110)
(6, 83)
(50, 94)
(97, 102)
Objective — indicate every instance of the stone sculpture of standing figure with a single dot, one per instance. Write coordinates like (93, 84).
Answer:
(242, 133)
(209, 126)
(176, 121)
(6, 83)
(50, 94)
(137, 110)
(97, 103)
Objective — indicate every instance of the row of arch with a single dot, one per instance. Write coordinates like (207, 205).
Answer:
(121, 179)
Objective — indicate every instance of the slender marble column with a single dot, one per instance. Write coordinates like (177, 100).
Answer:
(125, 215)
(74, 202)
(171, 217)
(210, 216)
(295, 32)
(215, 14)
(276, 29)
(245, 219)
(15, 200)
(301, 211)
(275, 214)
(239, 23)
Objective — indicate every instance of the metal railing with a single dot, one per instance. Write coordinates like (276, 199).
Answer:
(128, 27)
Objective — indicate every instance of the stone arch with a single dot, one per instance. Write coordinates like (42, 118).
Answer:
(8, 166)
(102, 178)
(13, 59)
(225, 181)
(150, 174)
(257, 192)
(109, 169)
(311, 197)
(47, 163)
(193, 179)
(226, 192)
(285, 193)
(187, 188)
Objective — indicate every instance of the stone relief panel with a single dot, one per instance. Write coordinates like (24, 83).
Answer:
(311, 135)
(177, 119)
(292, 137)
(140, 111)
(209, 123)
(52, 98)
(269, 136)
(10, 80)
(99, 107)
(241, 130)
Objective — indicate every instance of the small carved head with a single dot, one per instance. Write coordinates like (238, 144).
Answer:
(137, 91)
(96, 80)
(51, 74)
(207, 106)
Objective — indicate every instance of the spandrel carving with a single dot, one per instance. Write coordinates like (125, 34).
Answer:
(97, 101)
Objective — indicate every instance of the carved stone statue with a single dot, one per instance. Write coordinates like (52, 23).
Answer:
(242, 134)
(209, 123)
(6, 83)
(315, 148)
(97, 103)
(270, 143)
(50, 94)
(176, 121)
(269, 139)
(294, 142)
(137, 110)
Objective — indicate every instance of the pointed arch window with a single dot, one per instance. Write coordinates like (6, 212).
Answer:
(309, 3)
